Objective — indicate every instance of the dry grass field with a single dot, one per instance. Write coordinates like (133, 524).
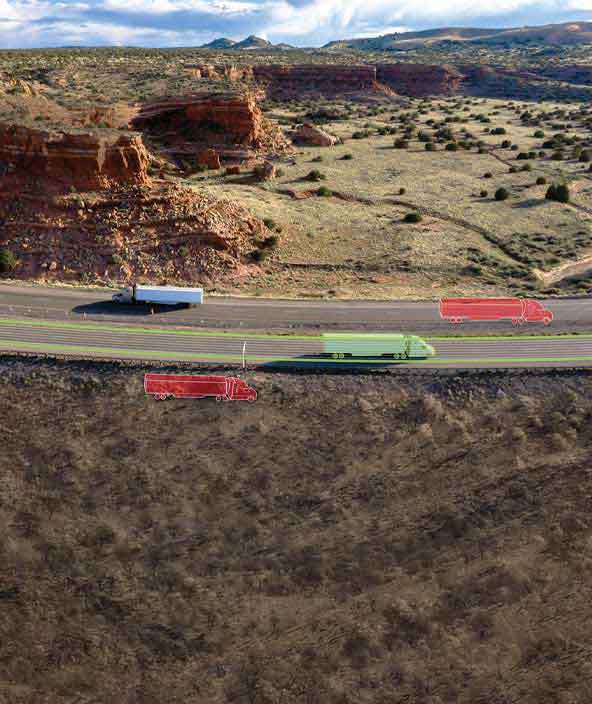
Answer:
(371, 538)
(353, 240)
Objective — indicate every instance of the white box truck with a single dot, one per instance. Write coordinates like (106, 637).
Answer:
(160, 295)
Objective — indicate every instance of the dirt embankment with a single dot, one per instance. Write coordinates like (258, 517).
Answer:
(348, 538)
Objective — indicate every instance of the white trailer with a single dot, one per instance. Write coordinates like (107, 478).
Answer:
(160, 295)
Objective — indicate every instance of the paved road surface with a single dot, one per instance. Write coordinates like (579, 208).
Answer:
(571, 315)
(128, 342)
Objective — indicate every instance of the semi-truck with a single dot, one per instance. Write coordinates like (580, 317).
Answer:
(160, 295)
(518, 310)
(222, 388)
(342, 345)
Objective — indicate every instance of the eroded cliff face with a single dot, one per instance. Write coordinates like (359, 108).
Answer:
(211, 127)
(419, 80)
(163, 233)
(285, 81)
(57, 161)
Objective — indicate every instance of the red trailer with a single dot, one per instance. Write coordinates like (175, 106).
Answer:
(518, 310)
(222, 388)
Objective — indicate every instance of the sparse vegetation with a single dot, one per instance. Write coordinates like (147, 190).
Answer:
(188, 574)
(8, 260)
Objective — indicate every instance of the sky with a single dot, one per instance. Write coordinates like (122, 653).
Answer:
(160, 23)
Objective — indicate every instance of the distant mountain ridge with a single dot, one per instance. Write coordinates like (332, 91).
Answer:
(250, 43)
(567, 33)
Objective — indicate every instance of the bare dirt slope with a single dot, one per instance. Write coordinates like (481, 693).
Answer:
(369, 538)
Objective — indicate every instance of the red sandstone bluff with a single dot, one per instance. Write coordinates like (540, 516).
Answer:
(418, 80)
(211, 127)
(283, 80)
(58, 161)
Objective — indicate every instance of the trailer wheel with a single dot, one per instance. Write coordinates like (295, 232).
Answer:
(218, 398)
(514, 321)
(547, 320)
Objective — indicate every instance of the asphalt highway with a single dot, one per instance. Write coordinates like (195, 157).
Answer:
(52, 303)
(100, 340)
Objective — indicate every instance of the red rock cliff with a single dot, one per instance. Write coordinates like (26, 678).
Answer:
(419, 79)
(229, 124)
(209, 118)
(285, 80)
(60, 160)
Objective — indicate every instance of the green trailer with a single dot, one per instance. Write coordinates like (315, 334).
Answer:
(342, 345)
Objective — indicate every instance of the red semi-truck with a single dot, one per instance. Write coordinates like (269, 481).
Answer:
(518, 310)
(222, 388)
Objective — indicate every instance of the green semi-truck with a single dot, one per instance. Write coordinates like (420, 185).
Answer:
(342, 345)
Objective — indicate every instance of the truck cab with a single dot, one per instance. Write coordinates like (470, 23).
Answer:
(126, 295)
(536, 311)
(420, 348)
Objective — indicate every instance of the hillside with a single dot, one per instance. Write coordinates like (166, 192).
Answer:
(569, 33)
(366, 538)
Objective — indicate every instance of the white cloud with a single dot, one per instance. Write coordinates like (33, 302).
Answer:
(307, 22)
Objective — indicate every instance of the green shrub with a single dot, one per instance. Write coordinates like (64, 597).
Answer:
(559, 193)
(541, 181)
(8, 260)
(484, 194)
(452, 147)
(271, 242)
(502, 194)
(317, 159)
(413, 217)
(506, 144)
(315, 175)
(402, 191)
(526, 167)
(324, 191)
(539, 134)
(401, 144)
(347, 157)
(269, 223)
(488, 175)
(258, 255)
(585, 156)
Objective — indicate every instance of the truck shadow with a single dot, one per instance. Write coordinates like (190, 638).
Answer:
(308, 361)
(126, 310)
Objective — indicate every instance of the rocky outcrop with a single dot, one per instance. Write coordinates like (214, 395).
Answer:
(284, 80)
(580, 74)
(162, 233)
(311, 135)
(56, 161)
(417, 80)
(218, 72)
(210, 128)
